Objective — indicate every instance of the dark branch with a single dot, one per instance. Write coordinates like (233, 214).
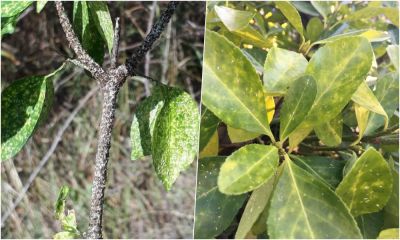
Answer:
(114, 54)
(97, 72)
(154, 34)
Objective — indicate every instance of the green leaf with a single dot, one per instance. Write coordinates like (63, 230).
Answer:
(391, 233)
(24, 105)
(143, 123)
(298, 135)
(65, 235)
(362, 121)
(212, 147)
(234, 19)
(338, 68)
(101, 16)
(330, 133)
(214, 210)
(254, 207)
(60, 203)
(305, 7)
(366, 98)
(314, 29)
(13, 8)
(304, 207)
(387, 93)
(86, 30)
(296, 105)
(291, 14)
(391, 210)
(326, 169)
(176, 136)
(209, 124)
(370, 34)
(282, 67)
(247, 169)
(228, 81)
(370, 224)
(40, 5)
(238, 135)
(367, 186)
(392, 13)
(324, 7)
(393, 52)
(237, 22)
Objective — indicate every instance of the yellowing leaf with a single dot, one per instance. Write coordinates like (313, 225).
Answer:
(212, 147)
(362, 120)
(391, 233)
(330, 133)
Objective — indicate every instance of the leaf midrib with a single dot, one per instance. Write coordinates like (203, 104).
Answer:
(237, 99)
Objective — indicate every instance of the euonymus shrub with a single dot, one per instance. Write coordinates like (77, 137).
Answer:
(308, 91)
(165, 125)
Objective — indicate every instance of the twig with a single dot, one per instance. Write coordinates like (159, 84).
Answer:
(114, 54)
(147, 57)
(49, 153)
(97, 72)
(156, 30)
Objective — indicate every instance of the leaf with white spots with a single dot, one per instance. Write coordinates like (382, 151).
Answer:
(254, 208)
(24, 105)
(387, 93)
(364, 97)
(304, 207)
(281, 68)
(338, 68)
(214, 210)
(229, 79)
(143, 123)
(296, 105)
(247, 169)
(101, 16)
(367, 186)
(291, 14)
(330, 133)
(175, 137)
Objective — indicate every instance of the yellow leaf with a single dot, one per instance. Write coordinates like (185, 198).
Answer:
(212, 147)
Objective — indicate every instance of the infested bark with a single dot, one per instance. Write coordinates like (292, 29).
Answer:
(110, 81)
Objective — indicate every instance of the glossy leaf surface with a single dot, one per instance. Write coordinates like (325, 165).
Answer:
(254, 208)
(393, 52)
(24, 104)
(282, 67)
(86, 30)
(101, 16)
(175, 136)
(326, 169)
(296, 208)
(228, 81)
(314, 29)
(247, 169)
(214, 210)
(367, 186)
(330, 133)
(338, 68)
(296, 105)
(291, 14)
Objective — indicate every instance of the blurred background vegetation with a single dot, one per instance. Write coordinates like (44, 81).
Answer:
(137, 206)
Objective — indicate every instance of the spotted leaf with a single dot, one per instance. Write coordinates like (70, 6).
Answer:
(304, 207)
(24, 105)
(281, 68)
(247, 169)
(176, 135)
(367, 186)
(228, 81)
(330, 133)
(214, 210)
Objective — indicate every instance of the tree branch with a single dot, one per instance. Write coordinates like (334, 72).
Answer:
(114, 54)
(97, 72)
(154, 34)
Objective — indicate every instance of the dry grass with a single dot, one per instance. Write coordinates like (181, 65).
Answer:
(137, 206)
